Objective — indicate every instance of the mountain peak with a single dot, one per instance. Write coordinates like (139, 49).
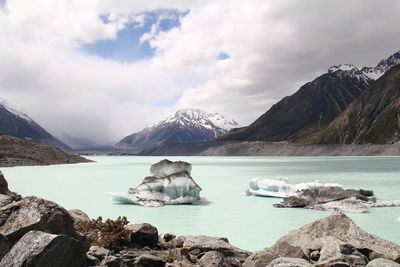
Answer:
(15, 111)
(343, 67)
(185, 125)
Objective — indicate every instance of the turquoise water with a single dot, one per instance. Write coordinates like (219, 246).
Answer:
(249, 222)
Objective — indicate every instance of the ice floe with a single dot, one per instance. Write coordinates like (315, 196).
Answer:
(280, 187)
(170, 184)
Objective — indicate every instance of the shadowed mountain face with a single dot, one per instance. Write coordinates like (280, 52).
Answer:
(186, 125)
(311, 108)
(374, 117)
(17, 124)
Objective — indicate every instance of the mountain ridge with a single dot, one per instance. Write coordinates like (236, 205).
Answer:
(16, 123)
(186, 125)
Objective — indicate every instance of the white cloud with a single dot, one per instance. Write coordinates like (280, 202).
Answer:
(274, 47)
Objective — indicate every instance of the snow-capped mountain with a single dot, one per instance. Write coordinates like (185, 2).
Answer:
(382, 67)
(315, 105)
(186, 125)
(350, 70)
(15, 123)
(371, 72)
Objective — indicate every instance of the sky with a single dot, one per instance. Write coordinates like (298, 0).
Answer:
(103, 69)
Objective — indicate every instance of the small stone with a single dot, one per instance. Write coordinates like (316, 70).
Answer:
(213, 259)
(289, 262)
(382, 263)
(98, 252)
(78, 216)
(149, 261)
(143, 234)
(168, 237)
(5, 200)
(314, 255)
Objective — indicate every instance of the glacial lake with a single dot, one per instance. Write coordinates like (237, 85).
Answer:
(249, 222)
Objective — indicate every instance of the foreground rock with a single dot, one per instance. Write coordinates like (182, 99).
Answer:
(43, 249)
(18, 152)
(37, 232)
(331, 241)
(170, 185)
(32, 213)
(335, 199)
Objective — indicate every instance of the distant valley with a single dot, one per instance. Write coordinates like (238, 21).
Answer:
(344, 106)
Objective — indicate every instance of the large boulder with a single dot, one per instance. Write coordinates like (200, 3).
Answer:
(32, 213)
(207, 243)
(167, 167)
(336, 238)
(38, 248)
(143, 234)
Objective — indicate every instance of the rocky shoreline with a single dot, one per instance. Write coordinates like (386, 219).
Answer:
(38, 232)
(18, 152)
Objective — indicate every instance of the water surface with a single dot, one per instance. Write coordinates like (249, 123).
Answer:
(249, 222)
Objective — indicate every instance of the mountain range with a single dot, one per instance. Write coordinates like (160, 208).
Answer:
(297, 118)
(16, 123)
(186, 125)
(374, 117)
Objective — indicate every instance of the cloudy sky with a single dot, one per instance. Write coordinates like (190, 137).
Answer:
(101, 69)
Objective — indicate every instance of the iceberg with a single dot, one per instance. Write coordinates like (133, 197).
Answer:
(280, 187)
(170, 184)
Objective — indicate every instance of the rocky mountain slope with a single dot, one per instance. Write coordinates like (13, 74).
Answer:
(311, 108)
(315, 105)
(374, 117)
(186, 125)
(18, 152)
(15, 123)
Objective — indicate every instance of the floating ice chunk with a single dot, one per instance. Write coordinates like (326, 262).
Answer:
(176, 188)
(167, 167)
(280, 187)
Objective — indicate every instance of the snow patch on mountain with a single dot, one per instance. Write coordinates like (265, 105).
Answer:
(371, 72)
(191, 117)
(186, 125)
(12, 109)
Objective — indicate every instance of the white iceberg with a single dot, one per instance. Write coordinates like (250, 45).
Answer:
(280, 187)
(170, 185)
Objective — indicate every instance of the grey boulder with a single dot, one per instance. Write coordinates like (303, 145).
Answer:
(143, 234)
(213, 259)
(32, 213)
(38, 248)
(207, 243)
